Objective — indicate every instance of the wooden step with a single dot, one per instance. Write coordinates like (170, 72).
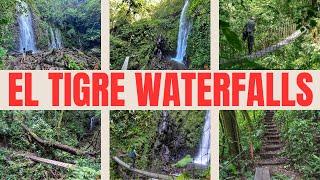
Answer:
(262, 173)
(271, 126)
(270, 154)
(269, 123)
(272, 147)
(275, 161)
(272, 130)
(272, 142)
(269, 120)
(271, 133)
(273, 136)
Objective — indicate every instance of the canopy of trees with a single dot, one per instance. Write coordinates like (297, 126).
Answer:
(241, 143)
(65, 136)
(152, 132)
(78, 21)
(275, 21)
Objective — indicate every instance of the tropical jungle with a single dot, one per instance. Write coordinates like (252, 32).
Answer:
(286, 34)
(160, 34)
(160, 144)
(50, 34)
(269, 145)
(50, 145)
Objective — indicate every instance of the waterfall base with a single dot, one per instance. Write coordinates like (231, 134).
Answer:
(167, 64)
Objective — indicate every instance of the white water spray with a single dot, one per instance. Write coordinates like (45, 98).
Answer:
(26, 37)
(184, 29)
(203, 155)
(56, 41)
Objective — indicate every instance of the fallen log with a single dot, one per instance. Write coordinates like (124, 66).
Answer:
(141, 172)
(56, 145)
(48, 161)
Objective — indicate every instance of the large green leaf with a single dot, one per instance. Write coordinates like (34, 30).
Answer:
(184, 161)
(232, 38)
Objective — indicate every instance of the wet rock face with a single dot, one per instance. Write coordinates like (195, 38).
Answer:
(169, 145)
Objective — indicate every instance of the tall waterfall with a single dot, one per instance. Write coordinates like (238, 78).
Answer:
(184, 29)
(56, 41)
(26, 37)
(203, 155)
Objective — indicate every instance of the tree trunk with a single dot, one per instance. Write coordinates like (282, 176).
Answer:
(231, 131)
(55, 145)
(144, 173)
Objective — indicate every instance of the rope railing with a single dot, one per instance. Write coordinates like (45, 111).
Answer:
(296, 34)
(263, 40)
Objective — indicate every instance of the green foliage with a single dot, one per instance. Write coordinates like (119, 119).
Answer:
(72, 132)
(183, 176)
(72, 63)
(198, 49)
(7, 9)
(79, 21)
(273, 19)
(135, 28)
(299, 133)
(138, 130)
(240, 166)
(133, 129)
(83, 173)
(3, 52)
(184, 161)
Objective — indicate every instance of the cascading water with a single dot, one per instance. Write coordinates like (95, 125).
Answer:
(27, 40)
(203, 156)
(184, 29)
(53, 39)
(58, 38)
(56, 41)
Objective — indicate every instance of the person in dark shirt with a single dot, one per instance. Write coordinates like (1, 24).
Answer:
(248, 33)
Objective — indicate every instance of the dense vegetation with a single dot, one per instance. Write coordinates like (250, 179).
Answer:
(78, 21)
(70, 128)
(136, 25)
(275, 20)
(241, 136)
(146, 131)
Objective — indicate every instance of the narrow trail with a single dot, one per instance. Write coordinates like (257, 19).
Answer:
(271, 157)
(268, 50)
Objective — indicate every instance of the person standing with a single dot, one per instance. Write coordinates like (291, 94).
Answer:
(133, 155)
(248, 33)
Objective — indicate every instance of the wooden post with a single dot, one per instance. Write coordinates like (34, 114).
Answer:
(125, 64)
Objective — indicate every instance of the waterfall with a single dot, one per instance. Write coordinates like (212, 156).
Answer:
(56, 42)
(203, 155)
(53, 39)
(184, 29)
(27, 40)
(92, 121)
(58, 38)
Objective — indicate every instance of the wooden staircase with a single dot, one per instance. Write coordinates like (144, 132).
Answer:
(272, 145)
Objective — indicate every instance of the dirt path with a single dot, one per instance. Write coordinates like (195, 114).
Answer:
(271, 154)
